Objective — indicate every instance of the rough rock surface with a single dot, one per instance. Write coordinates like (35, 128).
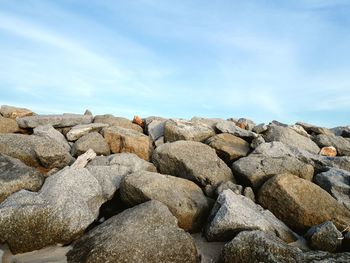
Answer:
(177, 129)
(342, 131)
(52, 154)
(145, 233)
(211, 122)
(233, 213)
(15, 176)
(337, 183)
(290, 137)
(94, 141)
(14, 112)
(126, 140)
(80, 130)
(300, 203)
(312, 129)
(194, 161)
(229, 147)
(245, 124)
(49, 132)
(329, 151)
(8, 125)
(341, 144)
(258, 246)
(155, 129)
(64, 120)
(230, 127)
(184, 198)
(117, 121)
(236, 188)
(260, 128)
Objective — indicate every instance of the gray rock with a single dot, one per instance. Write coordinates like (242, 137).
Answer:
(52, 154)
(341, 144)
(236, 188)
(194, 161)
(249, 193)
(209, 252)
(257, 141)
(177, 129)
(315, 130)
(277, 123)
(184, 198)
(80, 130)
(229, 147)
(230, 127)
(299, 129)
(325, 237)
(8, 125)
(342, 131)
(14, 112)
(246, 124)
(94, 141)
(233, 213)
(211, 122)
(64, 120)
(15, 176)
(290, 137)
(145, 233)
(160, 141)
(88, 112)
(258, 246)
(337, 183)
(260, 128)
(117, 121)
(156, 129)
(49, 132)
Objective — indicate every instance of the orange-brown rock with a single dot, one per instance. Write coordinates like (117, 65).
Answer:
(8, 125)
(14, 112)
(241, 125)
(137, 120)
(329, 151)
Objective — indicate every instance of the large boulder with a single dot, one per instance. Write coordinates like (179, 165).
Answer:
(80, 130)
(184, 198)
(49, 132)
(341, 144)
(290, 137)
(315, 130)
(126, 140)
(14, 112)
(194, 161)
(177, 129)
(15, 176)
(232, 128)
(117, 121)
(337, 183)
(94, 141)
(8, 125)
(233, 213)
(211, 122)
(64, 120)
(155, 129)
(343, 131)
(258, 246)
(301, 204)
(229, 147)
(145, 233)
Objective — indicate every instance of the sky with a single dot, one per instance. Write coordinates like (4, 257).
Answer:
(260, 59)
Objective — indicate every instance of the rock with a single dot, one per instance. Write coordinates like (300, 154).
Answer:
(126, 140)
(299, 129)
(328, 151)
(209, 252)
(342, 131)
(260, 128)
(257, 141)
(290, 137)
(8, 125)
(117, 121)
(137, 120)
(64, 120)
(184, 198)
(258, 246)
(236, 188)
(257, 168)
(27, 147)
(233, 213)
(177, 129)
(159, 142)
(341, 144)
(88, 112)
(230, 127)
(65, 206)
(300, 203)
(194, 161)
(277, 123)
(325, 237)
(337, 183)
(155, 129)
(83, 159)
(94, 141)
(314, 130)
(245, 124)
(229, 147)
(211, 122)
(145, 233)
(249, 193)
(14, 112)
(49, 132)
(80, 130)
(15, 175)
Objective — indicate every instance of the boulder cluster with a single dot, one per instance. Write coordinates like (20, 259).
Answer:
(108, 189)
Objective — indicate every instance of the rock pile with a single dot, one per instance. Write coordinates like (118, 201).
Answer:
(171, 190)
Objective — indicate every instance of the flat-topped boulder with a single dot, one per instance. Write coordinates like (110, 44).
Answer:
(92, 140)
(117, 121)
(232, 128)
(57, 121)
(14, 112)
(49, 132)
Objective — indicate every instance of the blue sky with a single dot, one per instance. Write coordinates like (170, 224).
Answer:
(262, 59)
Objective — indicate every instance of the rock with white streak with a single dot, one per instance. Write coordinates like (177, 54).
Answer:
(80, 130)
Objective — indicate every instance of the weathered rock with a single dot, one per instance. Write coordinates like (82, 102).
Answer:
(236, 188)
(137, 120)
(64, 120)
(299, 129)
(14, 112)
(84, 159)
(15, 176)
(194, 161)
(337, 183)
(233, 213)
(258, 246)
(245, 124)
(211, 122)
(155, 129)
(300, 203)
(177, 129)
(49, 132)
(342, 131)
(260, 128)
(159, 142)
(145, 233)
(257, 141)
(126, 140)
(94, 141)
(230, 127)
(315, 130)
(249, 193)
(277, 123)
(184, 198)
(325, 237)
(341, 144)
(209, 252)
(117, 121)
(8, 125)
(27, 147)
(290, 137)
(80, 130)
(229, 147)
(328, 151)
